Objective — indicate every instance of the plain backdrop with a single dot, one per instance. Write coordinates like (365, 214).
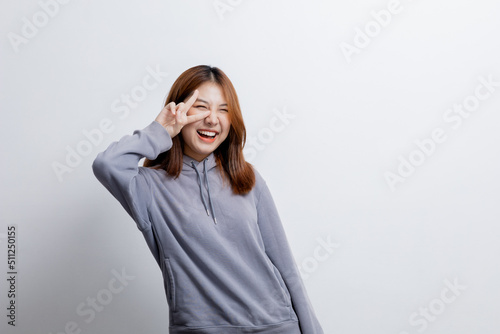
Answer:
(336, 96)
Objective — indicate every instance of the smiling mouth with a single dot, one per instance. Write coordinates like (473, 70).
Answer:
(207, 136)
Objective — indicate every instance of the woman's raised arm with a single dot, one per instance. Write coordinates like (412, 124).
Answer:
(117, 167)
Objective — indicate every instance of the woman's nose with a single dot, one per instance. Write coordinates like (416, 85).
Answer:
(212, 117)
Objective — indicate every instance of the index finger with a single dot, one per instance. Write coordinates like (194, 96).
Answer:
(191, 100)
(197, 117)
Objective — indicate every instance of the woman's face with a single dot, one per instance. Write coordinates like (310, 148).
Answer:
(202, 137)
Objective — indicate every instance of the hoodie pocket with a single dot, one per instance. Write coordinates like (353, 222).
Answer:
(169, 283)
(284, 290)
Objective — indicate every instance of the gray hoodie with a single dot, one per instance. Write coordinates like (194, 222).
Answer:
(226, 263)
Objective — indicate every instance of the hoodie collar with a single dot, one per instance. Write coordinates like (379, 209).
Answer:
(210, 162)
(201, 168)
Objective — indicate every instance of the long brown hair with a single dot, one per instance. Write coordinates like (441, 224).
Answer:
(229, 154)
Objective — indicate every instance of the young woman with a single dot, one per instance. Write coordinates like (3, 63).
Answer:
(207, 215)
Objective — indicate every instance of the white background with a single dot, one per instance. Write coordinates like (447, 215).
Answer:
(353, 122)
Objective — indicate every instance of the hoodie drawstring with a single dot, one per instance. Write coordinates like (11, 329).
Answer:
(208, 189)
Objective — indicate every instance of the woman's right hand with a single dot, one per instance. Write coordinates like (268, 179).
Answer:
(173, 117)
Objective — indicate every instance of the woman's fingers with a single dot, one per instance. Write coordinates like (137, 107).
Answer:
(174, 116)
(180, 108)
(170, 108)
(183, 108)
(191, 100)
(197, 117)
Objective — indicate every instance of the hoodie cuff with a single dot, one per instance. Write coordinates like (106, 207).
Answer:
(159, 136)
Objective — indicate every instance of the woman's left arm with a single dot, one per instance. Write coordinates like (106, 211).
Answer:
(278, 250)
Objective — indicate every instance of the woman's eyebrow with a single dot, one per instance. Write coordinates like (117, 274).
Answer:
(203, 101)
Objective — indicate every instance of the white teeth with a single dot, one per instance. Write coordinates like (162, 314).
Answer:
(208, 133)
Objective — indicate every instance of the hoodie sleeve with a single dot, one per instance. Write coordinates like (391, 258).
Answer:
(278, 250)
(117, 168)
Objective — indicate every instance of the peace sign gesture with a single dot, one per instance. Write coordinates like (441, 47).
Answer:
(174, 117)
